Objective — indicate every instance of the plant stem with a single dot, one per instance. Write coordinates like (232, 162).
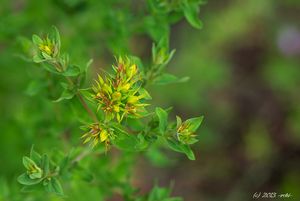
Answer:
(81, 99)
(80, 156)
(86, 107)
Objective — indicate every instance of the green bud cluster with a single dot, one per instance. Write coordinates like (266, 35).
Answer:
(186, 131)
(39, 171)
(47, 48)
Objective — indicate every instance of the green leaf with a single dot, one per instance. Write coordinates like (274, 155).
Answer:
(36, 175)
(156, 27)
(160, 53)
(194, 123)
(50, 68)
(64, 164)
(56, 37)
(157, 157)
(72, 70)
(45, 164)
(56, 186)
(166, 78)
(64, 60)
(144, 93)
(35, 86)
(36, 157)
(174, 199)
(163, 119)
(142, 143)
(88, 64)
(28, 163)
(159, 194)
(188, 151)
(48, 185)
(174, 145)
(66, 95)
(26, 180)
(27, 189)
(82, 173)
(36, 39)
(191, 14)
(178, 121)
(46, 56)
(182, 148)
(37, 59)
(126, 142)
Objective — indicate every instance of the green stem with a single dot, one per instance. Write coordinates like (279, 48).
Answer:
(86, 107)
(80, 156)
(78, 94)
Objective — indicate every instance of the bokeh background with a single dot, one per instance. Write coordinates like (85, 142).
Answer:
(244, 69)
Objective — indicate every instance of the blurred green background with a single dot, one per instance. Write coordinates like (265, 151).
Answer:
(244, 67)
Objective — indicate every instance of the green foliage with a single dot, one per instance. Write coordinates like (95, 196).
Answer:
(175, 8)
(119, 95)
(244, 76)
(163, 119)
(39, 172)
(162, 194)
(115, 107)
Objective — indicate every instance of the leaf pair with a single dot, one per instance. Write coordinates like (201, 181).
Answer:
(175, 141)
(38, 172)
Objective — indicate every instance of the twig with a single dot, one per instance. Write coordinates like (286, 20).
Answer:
(80, 156)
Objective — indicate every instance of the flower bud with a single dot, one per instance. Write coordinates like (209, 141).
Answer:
(103, 135)
(116, 95)
(116, 108)
(132, 99)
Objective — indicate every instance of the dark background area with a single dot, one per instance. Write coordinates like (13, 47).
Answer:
(244, 69)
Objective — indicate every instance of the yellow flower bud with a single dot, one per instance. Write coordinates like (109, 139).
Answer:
(125, 87)
(132, 99)
(48, 50)
(132, 70)
(116, 95)
(116, 108)
(106, 88)
(103, 135)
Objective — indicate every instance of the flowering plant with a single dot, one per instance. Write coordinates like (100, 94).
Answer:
(121, 116)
